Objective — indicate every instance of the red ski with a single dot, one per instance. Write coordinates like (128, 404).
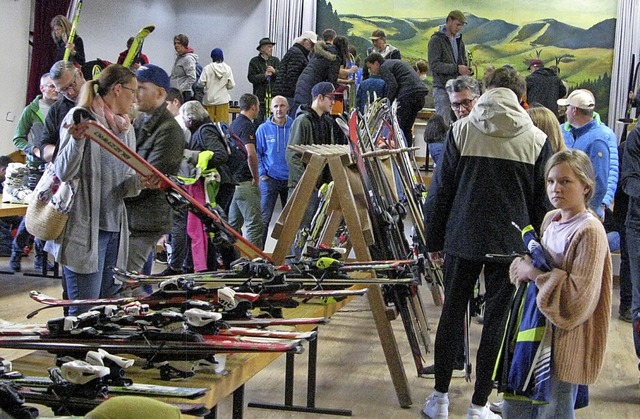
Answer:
(101, 136)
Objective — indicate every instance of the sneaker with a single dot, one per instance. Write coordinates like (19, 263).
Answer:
(38, 262)
(436, 406)
(483, 412)
(430, 372)
(168, 272)
(14, 261)
(625, 315)
(496, 407)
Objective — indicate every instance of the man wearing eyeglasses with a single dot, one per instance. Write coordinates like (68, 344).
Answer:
(68, 82)
(463, 92)
(29, 132)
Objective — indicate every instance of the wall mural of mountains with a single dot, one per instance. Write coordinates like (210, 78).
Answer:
(583, 55)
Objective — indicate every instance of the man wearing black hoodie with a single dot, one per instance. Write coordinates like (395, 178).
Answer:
(544, 86)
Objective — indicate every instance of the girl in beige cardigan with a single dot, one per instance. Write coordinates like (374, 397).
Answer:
(576, 295)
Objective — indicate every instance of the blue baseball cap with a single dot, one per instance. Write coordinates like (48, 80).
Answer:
(323, 88)
(154, 74)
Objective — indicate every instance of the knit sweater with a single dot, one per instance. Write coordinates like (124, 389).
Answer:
(576, 298)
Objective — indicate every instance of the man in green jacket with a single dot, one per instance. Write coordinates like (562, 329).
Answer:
(28, 133)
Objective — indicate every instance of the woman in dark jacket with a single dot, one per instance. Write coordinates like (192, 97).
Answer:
(324, 65)
(60, 30)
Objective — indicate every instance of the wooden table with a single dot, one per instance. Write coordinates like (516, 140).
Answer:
(240, 366)
(10, 210)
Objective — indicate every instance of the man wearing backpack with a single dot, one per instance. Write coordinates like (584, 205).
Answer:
(245, 205)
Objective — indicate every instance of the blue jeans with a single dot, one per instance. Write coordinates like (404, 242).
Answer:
(271, 189)
(245, 211)
(563, 399)
(22, 240)
(98, 284)
(442, 104)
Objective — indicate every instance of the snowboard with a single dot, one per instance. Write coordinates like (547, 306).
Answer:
(136, 46)
(103, 137)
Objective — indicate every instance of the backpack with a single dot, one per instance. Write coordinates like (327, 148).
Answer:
(198, 90)
(235, 147)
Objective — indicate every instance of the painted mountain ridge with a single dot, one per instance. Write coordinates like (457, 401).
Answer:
(482, 31)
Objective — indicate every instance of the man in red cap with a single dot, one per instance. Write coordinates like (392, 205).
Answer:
(263, 70)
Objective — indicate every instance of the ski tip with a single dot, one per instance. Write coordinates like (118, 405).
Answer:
(150, 28)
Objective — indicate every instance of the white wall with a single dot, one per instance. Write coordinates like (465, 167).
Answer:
(14, 33)
(235, 26)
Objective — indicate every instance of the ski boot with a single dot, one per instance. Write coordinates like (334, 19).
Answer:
(12, 402)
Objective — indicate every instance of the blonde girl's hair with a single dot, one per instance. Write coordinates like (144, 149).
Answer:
(64, 23)
(546, 120)
(109, 77)
(581, 165)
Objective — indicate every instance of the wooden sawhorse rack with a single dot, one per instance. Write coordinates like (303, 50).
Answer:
(348, 203)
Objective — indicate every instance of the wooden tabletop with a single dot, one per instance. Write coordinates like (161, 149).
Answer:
(9, 210)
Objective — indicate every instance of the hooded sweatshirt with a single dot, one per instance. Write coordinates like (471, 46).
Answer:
(271, 146)
(491, 173)
(183, 74)
(217, 80)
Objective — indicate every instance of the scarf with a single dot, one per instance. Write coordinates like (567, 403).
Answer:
(116, 123)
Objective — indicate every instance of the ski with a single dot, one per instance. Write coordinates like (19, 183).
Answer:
(136, 46)
(144, 346)
(133, 389)
(218, 225)
(42, 330)
(74, 28)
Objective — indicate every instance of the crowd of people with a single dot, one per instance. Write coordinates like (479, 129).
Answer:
(495, 163)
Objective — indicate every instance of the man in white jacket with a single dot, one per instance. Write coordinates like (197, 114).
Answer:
(217, 80)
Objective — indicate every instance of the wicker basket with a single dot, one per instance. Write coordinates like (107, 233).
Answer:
(43, 221)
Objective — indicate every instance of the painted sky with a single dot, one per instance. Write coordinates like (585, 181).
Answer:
(512, 11)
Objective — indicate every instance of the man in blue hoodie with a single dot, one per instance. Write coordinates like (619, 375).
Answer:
(272, 137)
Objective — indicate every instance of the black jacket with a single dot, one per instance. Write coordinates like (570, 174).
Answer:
(401, 80)
(257, 68)
(291, 66)
(160, 141)
(545, 87)
(324, 65)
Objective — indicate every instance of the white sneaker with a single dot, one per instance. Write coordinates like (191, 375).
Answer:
(436, 407)
(496, 407)
(481, 413)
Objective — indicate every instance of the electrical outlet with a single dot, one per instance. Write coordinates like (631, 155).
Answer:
(10, 117)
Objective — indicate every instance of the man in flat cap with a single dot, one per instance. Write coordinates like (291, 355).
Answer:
(447, 60)
(263, 70)
(388, 51)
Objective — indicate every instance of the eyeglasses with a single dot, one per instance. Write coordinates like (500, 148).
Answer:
(465, 103)
(50, 86)
(71, 85)
(128, 88)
